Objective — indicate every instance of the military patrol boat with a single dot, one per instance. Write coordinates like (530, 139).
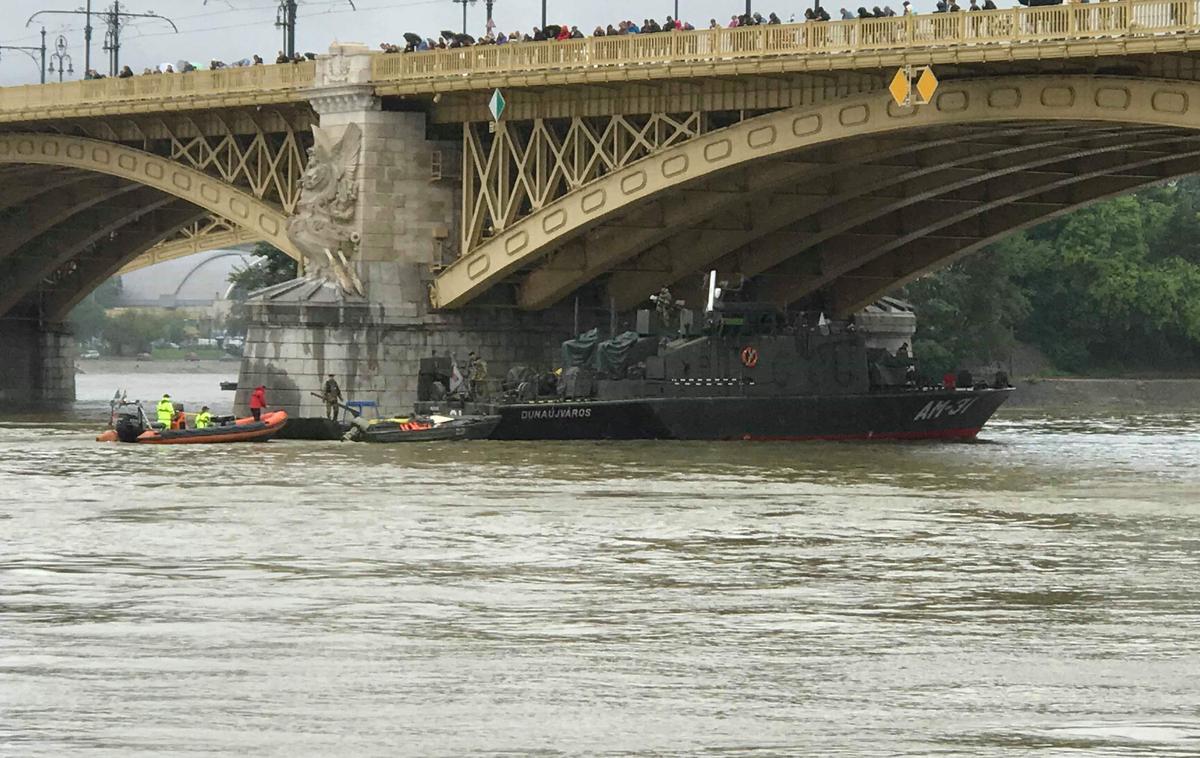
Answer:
(747, 372)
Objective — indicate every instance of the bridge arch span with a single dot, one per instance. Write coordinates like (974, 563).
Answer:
(760, 148)
(258, 218)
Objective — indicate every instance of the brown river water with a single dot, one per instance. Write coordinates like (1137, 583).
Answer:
(1034, 593)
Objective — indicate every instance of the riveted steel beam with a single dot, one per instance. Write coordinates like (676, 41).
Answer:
(862, 286)
(1106, 175)
(856, 202)
(56, 206)
(38, 260)
(1061, 99)
(69, 287)
(213, 195)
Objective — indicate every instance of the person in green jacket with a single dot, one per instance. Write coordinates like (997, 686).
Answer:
(203, 418)
(165, 411)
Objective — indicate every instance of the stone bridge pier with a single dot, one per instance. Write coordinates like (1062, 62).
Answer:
(37, 362)
(405, 228)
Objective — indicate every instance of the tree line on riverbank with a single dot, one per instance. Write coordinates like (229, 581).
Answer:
(1113, 288)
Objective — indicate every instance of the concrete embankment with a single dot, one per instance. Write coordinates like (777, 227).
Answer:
(133, 366)
(1114, 394)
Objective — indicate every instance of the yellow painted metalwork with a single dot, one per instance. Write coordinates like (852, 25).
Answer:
(515, 169)
(200, 237)
(982, 35)
(172, 178)
(245, 85)
(1136, 103)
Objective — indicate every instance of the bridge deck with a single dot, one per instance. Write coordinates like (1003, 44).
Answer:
(1122, 27)
(223, 88)
(1090, 29)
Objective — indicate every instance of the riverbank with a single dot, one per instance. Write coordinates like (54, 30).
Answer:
(1110, 394)
(133, 366)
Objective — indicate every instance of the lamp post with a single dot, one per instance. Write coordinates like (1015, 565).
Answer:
(285, 18)
(464, 5)
(114, 17)
(543, 15)
(30, 51)
(60, 55)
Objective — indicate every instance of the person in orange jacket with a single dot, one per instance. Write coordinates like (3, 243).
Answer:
(258, 401)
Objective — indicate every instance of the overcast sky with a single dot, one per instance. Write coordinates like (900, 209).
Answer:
(233, 29)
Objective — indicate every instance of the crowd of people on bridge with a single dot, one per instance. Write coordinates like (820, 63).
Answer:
(451, 40)
(184, 67)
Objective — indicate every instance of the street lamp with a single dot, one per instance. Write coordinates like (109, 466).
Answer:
(285, 19)
(28, 50)
(60, 54)
(464, 5)
(86, 12)
(114, 17)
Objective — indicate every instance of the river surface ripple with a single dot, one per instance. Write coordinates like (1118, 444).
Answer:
(1034, 594)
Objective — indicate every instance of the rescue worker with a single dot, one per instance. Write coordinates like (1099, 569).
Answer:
(476, 374)
(179, 421)
(203, 418)
(258, 401)
(165, 411)
(333, 395)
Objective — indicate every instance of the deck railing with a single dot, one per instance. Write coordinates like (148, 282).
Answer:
(160, 87)
(1125, 19)
(1120, 18)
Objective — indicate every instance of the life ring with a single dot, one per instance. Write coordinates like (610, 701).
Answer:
(749, 357)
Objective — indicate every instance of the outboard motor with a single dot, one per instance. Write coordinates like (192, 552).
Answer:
(129, 426)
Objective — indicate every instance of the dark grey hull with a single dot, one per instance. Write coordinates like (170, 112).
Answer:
(927, 414)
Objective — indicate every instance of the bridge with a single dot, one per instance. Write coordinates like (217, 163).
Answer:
(774, 154)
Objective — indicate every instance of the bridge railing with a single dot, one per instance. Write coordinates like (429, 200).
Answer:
(1120, 18)
(159, 87)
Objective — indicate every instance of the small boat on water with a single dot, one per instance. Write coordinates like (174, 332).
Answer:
(422, 428)
(131, 424)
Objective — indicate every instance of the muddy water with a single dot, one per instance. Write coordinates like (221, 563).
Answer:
(1035, 593)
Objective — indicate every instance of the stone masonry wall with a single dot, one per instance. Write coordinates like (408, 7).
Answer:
(378, 361)
(37, 363)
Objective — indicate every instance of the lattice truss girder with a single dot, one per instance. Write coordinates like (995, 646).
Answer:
(263, 152)
(512, 169)
(267, 163)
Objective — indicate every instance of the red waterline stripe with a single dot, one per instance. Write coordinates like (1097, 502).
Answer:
(959, 434)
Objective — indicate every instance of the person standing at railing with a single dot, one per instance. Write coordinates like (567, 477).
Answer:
(908, 11)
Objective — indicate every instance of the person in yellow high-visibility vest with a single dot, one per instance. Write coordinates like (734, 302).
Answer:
(203, 418)
(165, 411)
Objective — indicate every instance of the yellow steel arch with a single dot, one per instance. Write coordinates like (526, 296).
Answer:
(1120, 101)
(258, 218)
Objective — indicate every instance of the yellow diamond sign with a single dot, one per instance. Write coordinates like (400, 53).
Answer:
(927, 84)
(900, 87)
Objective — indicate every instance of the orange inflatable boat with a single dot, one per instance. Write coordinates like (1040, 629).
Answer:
(130, 428)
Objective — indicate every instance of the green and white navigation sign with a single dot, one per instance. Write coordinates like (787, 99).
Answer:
(496, 105)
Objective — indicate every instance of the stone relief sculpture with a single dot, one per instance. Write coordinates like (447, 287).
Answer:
(324, 225)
